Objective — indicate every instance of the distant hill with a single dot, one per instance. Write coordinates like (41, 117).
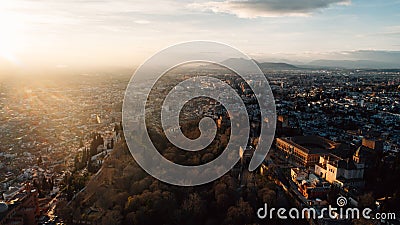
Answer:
(277, 66)
(362, 59)
(316, 64)
(245, 63)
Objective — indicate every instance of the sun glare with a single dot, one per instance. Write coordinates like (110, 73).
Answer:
(11, 33)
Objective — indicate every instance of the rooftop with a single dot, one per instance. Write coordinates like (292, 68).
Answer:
(312, 144)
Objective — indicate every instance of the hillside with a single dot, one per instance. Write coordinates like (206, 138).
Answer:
(122, 193)
(265, 66)
(277, 66)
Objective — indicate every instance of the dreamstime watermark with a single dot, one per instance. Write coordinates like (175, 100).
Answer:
(328, 212)
(136, 97)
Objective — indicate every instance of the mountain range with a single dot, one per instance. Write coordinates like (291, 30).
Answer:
(316, 64)
(360, 59)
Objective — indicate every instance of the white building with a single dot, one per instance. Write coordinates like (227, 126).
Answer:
(339, 171)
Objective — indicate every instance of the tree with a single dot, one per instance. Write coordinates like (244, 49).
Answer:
(241, 213)
(112, 217)
(40, 160)
(81, 145)
(367, 200)
(193, 209)
(333, 194)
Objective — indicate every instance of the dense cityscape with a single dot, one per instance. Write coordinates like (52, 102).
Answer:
(200, 112)
(47, 128)
(64, 160)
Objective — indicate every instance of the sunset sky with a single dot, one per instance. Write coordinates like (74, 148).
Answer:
(63, 33)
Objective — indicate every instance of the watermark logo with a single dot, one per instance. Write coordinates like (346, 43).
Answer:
(327, 212)
(341, 201)
(142, 83)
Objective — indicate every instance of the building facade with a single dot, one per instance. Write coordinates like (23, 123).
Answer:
(305, 150)
(342, 172)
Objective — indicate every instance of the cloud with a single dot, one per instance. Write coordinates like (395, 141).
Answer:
(266, 8)
(142, 21)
